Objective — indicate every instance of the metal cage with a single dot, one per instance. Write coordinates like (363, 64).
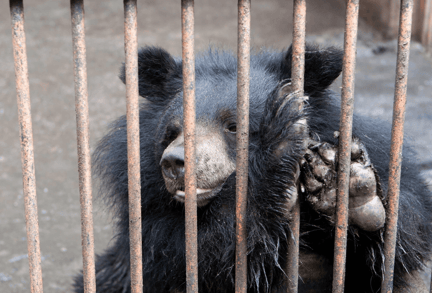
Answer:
(82, 117)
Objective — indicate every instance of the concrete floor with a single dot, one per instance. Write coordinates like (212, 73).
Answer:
(49, 50)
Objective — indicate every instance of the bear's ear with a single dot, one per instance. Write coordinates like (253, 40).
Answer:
(322, 67)
(158, 73)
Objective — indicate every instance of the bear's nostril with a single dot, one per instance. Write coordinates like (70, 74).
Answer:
(168, 171)
(172, 164)
(179, 163)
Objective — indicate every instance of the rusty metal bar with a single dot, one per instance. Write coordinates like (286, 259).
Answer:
(133, 142)
(293, 250)
(346, 118)
(397, 142)
(26, 138)
(298, 46)
(426, 36)
(297, 80)
(242, 137)
(188, 55)
(84, 161)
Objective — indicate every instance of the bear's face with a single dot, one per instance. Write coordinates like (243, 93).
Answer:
(160, 83)
(215, 139)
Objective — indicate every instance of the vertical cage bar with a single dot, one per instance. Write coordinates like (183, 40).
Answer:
(242, 138)
(84, 161)
(188, 55)
(426, 36)
(133, 144)
(397, 143)
(346, 118)
(26, 137)
(298, 46)
(297, 80)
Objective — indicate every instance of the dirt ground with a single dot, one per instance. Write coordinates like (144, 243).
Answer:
(49, 47)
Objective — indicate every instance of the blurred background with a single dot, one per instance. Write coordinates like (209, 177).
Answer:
(49, 48)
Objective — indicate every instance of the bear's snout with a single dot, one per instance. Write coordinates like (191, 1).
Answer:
(213, 165)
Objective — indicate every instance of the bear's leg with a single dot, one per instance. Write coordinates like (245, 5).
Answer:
(319, 182)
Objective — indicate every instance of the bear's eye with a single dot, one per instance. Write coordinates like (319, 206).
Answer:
(232, 128)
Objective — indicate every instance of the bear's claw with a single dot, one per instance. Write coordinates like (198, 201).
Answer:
(319, 182)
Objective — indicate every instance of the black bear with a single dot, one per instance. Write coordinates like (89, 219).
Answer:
(292, 155)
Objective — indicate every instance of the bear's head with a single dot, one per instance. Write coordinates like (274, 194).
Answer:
(160, 83)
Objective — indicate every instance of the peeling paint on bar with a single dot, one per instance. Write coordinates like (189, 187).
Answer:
(84, 160)
(346, 118)
(242, 138)
(297, 80)
(188, 56)
(26, 139)
(133, 144)
(397, 143)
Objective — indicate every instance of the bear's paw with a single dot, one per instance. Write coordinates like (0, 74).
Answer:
(319, 182)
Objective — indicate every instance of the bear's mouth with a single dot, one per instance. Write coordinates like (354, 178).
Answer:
(204, 196)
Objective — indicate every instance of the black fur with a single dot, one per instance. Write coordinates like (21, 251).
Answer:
(269, 178)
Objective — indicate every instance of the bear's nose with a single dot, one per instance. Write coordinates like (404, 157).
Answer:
(172, 163)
